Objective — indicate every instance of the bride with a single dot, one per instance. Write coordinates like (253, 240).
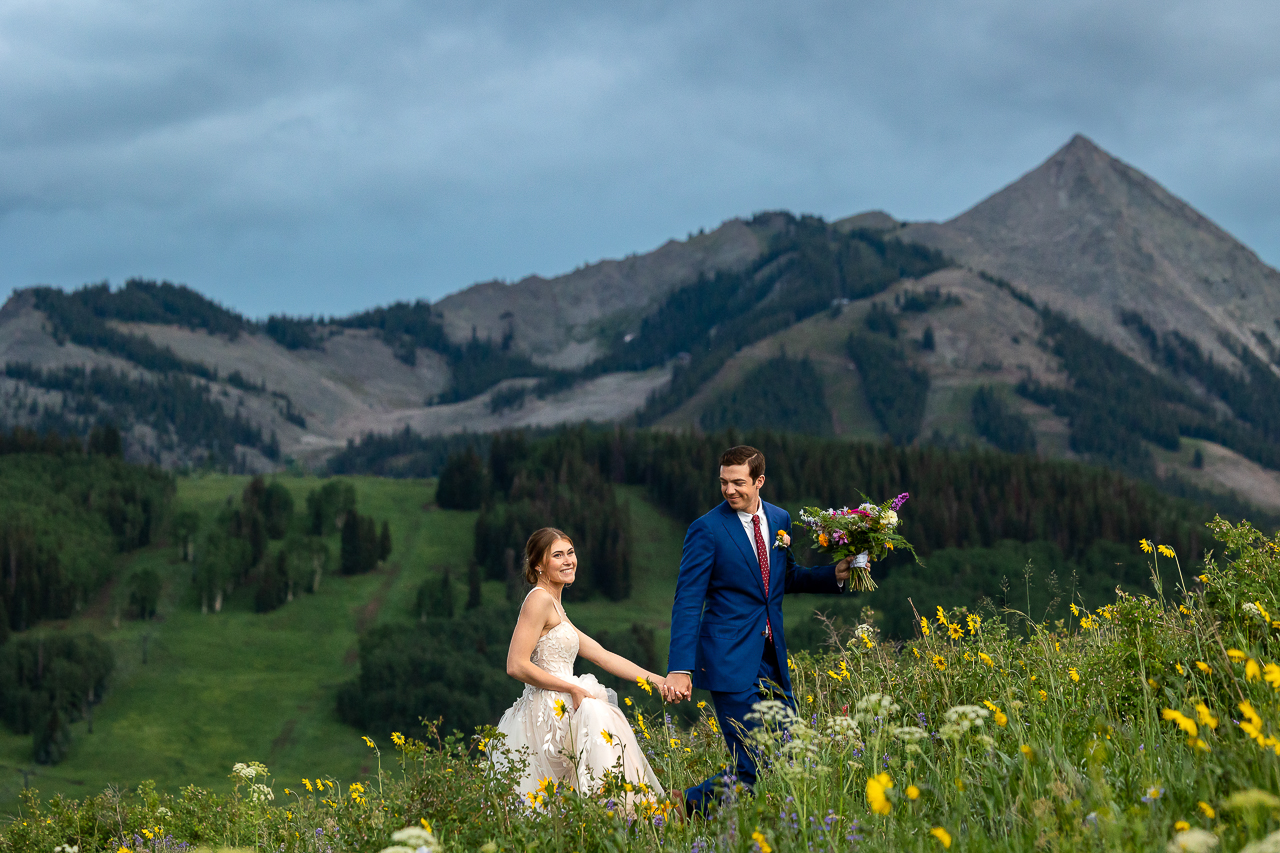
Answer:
(571, 726)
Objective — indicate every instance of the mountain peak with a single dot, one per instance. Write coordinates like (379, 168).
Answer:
(1090, 235)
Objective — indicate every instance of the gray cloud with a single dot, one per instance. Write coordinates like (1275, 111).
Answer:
(323, 157)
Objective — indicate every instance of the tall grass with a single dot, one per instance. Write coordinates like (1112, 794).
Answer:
(1151, 722)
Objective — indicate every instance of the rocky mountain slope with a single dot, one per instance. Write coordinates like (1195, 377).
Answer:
(1010, 324)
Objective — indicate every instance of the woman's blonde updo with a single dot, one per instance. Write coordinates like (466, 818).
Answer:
(536, 549)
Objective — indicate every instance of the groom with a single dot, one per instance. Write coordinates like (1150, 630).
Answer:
(726, 623)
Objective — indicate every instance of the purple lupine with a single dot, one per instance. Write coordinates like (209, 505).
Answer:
(899, 501)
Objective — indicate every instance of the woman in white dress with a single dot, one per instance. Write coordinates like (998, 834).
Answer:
(573, 734)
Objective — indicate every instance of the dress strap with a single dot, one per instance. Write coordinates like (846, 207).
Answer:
(558, 606)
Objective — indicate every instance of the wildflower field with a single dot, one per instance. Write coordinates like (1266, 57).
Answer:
(1148, 724)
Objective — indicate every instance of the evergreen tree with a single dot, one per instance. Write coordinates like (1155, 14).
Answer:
(384, 541)
(351, 557)
(462, 482)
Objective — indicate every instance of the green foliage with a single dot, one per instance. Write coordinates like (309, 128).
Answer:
(145, 301)
(921, 301)
(453, 670)
(144, 592)
(48, 683)
(782, 394)
(555, 486)
(293, 333)
(360, 551)
(1006, 429)
(327, 505)
(404, 454)
(896, 391)
(463, 484)
(62, 518)
(176, 407)
(808, 265)
(1114, 403)
(879, 321)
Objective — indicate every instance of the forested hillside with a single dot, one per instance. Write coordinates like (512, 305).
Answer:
(65, 515)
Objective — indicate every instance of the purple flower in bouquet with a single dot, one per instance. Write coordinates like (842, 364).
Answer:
(899, 501)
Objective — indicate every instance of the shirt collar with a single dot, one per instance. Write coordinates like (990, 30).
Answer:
(745, 517)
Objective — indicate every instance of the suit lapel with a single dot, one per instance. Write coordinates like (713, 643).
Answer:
(733, 526)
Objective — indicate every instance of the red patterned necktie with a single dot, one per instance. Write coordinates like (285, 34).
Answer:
(762, 554)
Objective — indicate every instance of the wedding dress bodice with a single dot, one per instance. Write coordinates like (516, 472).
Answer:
(557, 650)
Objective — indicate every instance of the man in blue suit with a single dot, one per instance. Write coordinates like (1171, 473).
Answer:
(726, 623)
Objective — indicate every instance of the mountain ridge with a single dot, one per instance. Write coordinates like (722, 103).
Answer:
(671, 334)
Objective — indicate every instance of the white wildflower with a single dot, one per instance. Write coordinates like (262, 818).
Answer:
(875, 705)
(260, 793)
(417, 838)
(961, 719)
(840, 727)
(163, 812)
(910, 734)
(1196, 841)
(772, 711)
(1255, 611)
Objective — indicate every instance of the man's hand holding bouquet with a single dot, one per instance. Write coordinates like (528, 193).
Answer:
(868, 532)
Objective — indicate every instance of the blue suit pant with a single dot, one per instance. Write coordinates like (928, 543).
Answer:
(731, 710)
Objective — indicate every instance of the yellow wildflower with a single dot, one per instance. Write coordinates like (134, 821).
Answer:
(758, 838)
(368, 742)
(561, 709)
(975, 622)
(1205, 717)
(1236, 655)
(955, 631)
(626, 699)
(397, 738)
(307, 782)
(1088, 622)
(1251, 670)
(1204, 667)
(645, 685)
(1181, 720)
(606, 737)
(1044, 697)
(1027, 752)
(913, 793)
(1075, 611)
(942, 835)
(701, 705)
(1271, 673)
(1145, 545)
(1074, 673)
(939, 662)
(986, 658)
(916, 651)
(1178, 667)
(876, 798)
(1181, 826)
(1165, 551)
(675, 742)
(1206, 810)
(924, 626)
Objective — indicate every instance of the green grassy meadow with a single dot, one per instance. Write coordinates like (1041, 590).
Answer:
(237, 685)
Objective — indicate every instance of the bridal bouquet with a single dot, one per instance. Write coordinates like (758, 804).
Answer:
(848, 532)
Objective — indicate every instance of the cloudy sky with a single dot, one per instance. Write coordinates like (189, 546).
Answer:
(321, 157)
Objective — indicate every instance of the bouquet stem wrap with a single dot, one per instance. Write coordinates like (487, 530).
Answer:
(870, 528)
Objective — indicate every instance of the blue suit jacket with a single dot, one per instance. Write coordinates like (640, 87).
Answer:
(723, 644)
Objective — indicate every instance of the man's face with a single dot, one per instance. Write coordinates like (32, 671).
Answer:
(738, 488)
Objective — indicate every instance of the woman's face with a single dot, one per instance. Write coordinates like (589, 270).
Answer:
(561, 563)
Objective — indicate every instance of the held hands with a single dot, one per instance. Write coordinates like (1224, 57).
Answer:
(677, 687)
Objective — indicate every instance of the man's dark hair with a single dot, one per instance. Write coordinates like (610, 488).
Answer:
(744, 454)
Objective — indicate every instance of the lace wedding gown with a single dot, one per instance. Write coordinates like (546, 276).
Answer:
(574, 748)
